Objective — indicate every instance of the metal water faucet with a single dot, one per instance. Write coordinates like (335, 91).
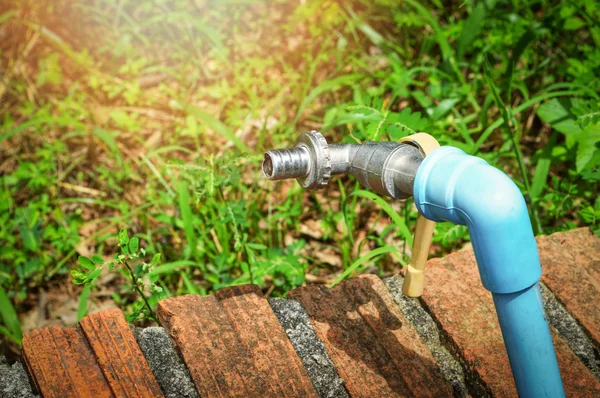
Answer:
(387, 168)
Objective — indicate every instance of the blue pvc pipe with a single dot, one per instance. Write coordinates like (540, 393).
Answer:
(529, 343)
(453, 186)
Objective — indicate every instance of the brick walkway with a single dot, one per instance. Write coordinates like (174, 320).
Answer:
(362, 338)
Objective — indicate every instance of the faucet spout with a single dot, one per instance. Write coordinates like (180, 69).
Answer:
(388, 168)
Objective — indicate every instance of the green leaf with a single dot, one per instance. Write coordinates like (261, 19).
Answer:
(587, 146)
(555, 113)
(362, 260)
(375, 37)
(256, 246)
(573, 23)
(93, 275)
(97, 260)
(8, 15)
(169, 268)
(9, 317)
(9, 335)
(542, 168)
(444, 107)
(186, 216)
(536, 99)
(451, 235)
(83, 302)
(217, 126)
(109, 140)
(440, 37)
(36, 123)
(539, 177)
(154, 289)
(577, 111)
(404, 123)
(134, 245)
(79, 278)
(155, 259)
(49, 70)
(81, 58)
(585, 121)
(471, 29)
(328, 85)
(123, 237)
(153, 277)
(85, 262)
(192, 125)
(530, 35)
(385, 206)
(191, 288)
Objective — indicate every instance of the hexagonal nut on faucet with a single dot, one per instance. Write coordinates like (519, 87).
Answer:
(319, 170)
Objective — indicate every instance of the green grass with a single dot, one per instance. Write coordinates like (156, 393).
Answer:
(153, 116)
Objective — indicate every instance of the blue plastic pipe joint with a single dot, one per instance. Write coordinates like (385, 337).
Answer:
(453, 186)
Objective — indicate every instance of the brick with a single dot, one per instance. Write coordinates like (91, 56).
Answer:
(373, 346)
(571, 264)
(465, 311)
(118, 355)
(61, 364)
(234, 346)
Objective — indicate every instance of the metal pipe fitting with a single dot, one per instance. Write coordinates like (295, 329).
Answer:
(388, 168)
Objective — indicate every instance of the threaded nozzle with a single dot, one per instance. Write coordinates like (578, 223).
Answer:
(281, 164)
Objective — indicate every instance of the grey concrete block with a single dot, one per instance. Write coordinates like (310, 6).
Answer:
(170, 372)
(570, 330)
(14, 382)
(310, 349)
(424, 324)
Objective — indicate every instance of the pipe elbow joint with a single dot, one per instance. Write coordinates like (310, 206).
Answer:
(453, 186)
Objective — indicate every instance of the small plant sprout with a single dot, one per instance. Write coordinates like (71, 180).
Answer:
(130, 261)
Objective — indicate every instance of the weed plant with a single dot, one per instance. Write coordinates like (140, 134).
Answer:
(152, 116)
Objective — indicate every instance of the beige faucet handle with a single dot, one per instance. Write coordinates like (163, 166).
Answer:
(425, 142)
(414, 279)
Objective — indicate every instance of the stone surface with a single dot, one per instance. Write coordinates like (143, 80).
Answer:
(14, 382)
(310, 349)
(61, 364)
(571, 331)
(458, 301)
(375, 349)
(571, 264)
(233, 345)
(424, 325)
(118, 355)
(171, 374)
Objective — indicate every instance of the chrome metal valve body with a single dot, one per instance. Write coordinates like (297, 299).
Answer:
(388, 168)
